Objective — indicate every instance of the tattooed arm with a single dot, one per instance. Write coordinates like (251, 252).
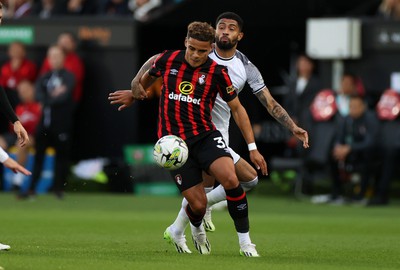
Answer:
(138, 91)
(280, 114)
(125, 98)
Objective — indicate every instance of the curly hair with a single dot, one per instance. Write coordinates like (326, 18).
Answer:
(201, 31)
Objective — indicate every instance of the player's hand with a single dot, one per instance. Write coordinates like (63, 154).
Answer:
(15, 166)
(22, 135)
(302, 135)
(259, 161)
(123, 97)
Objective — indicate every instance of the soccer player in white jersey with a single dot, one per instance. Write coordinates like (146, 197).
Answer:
(228, 33)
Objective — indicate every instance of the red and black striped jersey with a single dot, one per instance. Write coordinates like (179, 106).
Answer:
(188, 94)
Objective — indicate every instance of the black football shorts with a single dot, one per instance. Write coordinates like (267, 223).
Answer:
(202, 153)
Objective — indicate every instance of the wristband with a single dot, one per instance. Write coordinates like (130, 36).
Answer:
(3, 155)
(252, 146)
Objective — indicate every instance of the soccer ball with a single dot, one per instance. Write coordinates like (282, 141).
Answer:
(170, 152)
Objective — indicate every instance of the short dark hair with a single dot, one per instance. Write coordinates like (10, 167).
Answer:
(201, 31)
(232, 16)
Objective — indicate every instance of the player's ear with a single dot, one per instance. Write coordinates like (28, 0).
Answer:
(186, 39)
(240, 36)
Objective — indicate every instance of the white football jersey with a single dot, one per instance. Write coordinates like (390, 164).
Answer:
(241, 70)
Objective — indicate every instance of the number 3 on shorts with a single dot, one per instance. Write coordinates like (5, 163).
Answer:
(220, 142)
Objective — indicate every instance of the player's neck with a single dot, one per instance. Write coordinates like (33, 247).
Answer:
(225, 53)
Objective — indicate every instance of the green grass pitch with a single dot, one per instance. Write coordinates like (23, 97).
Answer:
(103, 231)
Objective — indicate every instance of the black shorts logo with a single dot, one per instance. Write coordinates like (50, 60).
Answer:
(178, 179)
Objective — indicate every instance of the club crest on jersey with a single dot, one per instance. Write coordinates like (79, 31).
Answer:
(230, 89)
(178, 179)
(202, 78)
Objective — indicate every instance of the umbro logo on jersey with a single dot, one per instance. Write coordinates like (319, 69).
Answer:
(173, 71)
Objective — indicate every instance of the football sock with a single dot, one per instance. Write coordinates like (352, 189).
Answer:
(216, 195)
(181, 221)
(244, 238)
(249, 185)
(195, 219)
(238, 208)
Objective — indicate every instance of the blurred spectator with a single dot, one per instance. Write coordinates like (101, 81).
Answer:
(389, 9)
(115, 7)
(354, 148)
(45, 9)
(350, 85)
(142, 9)
(388, 110)
(17, 68)
(303, 88)
(54, 90)
(73, 63)
(81, 7)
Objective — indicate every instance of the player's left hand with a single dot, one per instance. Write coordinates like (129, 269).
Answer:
(302, 135)
(22, 135)
(259, 161)
(123, 97)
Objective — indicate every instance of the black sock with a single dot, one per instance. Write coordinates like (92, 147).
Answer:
(238, 208)
(195, 219)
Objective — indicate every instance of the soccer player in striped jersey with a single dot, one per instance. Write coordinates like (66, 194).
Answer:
(229, 32)
(241, 70)
(191, 83)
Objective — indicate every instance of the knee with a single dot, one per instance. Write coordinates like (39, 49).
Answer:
(231, 181)
(199, 207)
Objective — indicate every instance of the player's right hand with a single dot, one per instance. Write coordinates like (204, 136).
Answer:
(259, 161)
(123, 97)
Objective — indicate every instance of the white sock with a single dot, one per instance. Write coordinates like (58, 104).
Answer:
(216, 195)
(181, 221)
(244, 238)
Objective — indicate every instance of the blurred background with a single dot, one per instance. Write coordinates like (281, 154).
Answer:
(330, 40)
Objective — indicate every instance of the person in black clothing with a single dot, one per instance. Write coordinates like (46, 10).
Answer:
(7, 110)
(302, 90)
(54, 90)
(191, 82)
(354, 147)
(389, 145)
